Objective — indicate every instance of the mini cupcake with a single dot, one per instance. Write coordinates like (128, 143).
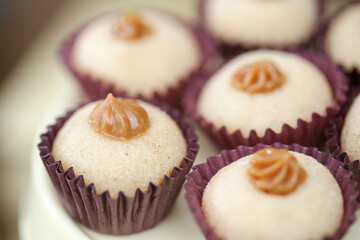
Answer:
(340, 39)
(272, 192)
(118, 164)
(267, 96)
(252, 24)
(343, 135)
(143, 53)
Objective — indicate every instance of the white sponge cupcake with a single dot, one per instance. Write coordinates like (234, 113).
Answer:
(144, 53)
(119, 164)
(253, 23)
(342, 38)
(113, 158)
(268, 96)
(272, 192)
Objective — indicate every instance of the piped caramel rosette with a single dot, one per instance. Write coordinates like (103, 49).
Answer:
(130, 26)
(119, 118)
(259, 77)
(276, 171)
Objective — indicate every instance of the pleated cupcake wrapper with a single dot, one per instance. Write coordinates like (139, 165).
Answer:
(229, 51)
(305, 133)
(199, 178)
(333, 133)
(123, 215)
(353, 74)
(97, 88)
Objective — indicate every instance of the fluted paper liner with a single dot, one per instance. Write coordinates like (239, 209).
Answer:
(96, 88)
(122, 215)
(199, 178)
(353, 74)
(305, 133)
(333, 139)
(229, 51)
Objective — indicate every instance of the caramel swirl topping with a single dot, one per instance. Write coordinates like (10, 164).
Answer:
(119, 118)
(130, 27)
(259, 77)
(276, 171)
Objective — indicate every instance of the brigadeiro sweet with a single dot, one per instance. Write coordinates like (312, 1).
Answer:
(144, 53)
(252, 24)
(268, 96)
(118, 164)
(272, 192)
(340, 39)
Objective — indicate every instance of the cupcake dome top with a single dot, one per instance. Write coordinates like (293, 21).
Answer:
(114, 163)
(342, 40)
(350, 133)
(139, 52)
(237, 209)
(297, 90)
(249, 23)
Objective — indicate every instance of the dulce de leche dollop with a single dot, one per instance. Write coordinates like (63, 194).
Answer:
(259, 77)
(276, 171)
(117, 118)
(130, 27)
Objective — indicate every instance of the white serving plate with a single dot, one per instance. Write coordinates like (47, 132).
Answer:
(42, 215)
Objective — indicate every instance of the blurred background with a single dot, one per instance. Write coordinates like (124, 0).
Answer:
(20, 23)
(31, 31)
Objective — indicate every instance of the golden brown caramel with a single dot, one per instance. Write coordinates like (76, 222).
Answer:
(119, 118)
(276, 171)
(130, 27)
(259, 77)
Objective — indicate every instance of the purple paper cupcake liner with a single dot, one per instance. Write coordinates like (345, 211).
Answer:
(333, 133)
(305, 133)
(199, 178)
(353, 74)
(229, 51)
(96, 88)
(123, 215)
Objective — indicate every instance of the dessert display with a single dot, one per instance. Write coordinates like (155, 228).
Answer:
(117, 164)
(135, 53)
(129, 152)
(268, 96)
(252, 23)
(341, 39)
(270, 192)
